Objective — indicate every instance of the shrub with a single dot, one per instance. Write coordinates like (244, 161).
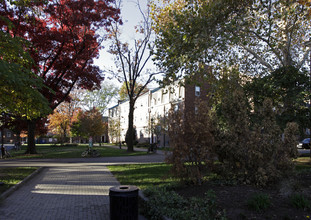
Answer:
(259, 202)
(168, 203)
(256, 154)
(299, 201)
(192, 143)
(253, 153)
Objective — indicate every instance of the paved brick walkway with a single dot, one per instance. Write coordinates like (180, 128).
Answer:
(69, 192)
(67, 188)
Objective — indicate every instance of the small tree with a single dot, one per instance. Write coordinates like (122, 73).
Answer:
(59, 125)
(100, 98)
(60, 122)
(154, 126)
(289, 89)
(114, 130)
(89, 124)
(192, 143)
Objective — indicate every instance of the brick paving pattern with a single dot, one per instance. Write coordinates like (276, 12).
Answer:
(70, 192)
(67, 189)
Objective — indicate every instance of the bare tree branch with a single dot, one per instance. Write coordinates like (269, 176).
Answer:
(305, 56)
(261, 60)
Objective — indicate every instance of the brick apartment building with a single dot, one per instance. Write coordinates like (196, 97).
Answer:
(151, 110)
(9, 137)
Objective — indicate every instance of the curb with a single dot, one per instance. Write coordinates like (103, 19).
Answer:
(19, 184)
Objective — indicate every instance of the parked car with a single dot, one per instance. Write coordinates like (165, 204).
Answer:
(305, 144)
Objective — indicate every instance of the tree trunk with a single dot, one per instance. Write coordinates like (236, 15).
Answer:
(18, 136)
(31, 146)
(130, 142)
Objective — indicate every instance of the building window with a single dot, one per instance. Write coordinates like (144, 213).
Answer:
(8, 134)
(181, 92)
(197, 91)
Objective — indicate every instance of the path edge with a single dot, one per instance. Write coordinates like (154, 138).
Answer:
(8, 192)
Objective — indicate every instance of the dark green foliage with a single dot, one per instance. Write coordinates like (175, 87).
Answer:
(168, 203)
(257, 155)
(299, 201)
(134, 138)
(289, 89)
(192, 33)
(254, 153)
(19, 87)
(259, 202)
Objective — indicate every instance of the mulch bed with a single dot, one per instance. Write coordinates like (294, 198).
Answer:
(233, 199)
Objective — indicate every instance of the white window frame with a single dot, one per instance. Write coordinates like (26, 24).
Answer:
(197, 91)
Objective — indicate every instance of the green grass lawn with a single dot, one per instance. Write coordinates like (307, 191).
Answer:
(148, 175)
(51, 151)
(143, 175)
(12, 176)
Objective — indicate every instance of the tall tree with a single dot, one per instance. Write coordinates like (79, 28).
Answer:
(63, 44)
(100, 98)
(260, 36)
(288, 88)
(114, 130)
(131, 62)
(257, 37)
(191, 32)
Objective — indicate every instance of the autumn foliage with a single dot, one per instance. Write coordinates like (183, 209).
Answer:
(60, 122)
(192, 141)
(63, 43)
(89, 124)
(252, 153)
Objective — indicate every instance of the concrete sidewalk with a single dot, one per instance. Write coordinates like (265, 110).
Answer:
(68, 192)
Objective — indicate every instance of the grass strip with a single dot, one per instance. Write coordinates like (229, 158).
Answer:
(55, 151)
(143, 175)
(13, 175)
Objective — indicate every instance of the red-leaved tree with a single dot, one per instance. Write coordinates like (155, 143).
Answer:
(64, 42)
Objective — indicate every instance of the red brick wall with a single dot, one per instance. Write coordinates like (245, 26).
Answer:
(190, 96)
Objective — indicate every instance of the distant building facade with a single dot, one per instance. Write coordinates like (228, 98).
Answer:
(151, 111)
(9, 137)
